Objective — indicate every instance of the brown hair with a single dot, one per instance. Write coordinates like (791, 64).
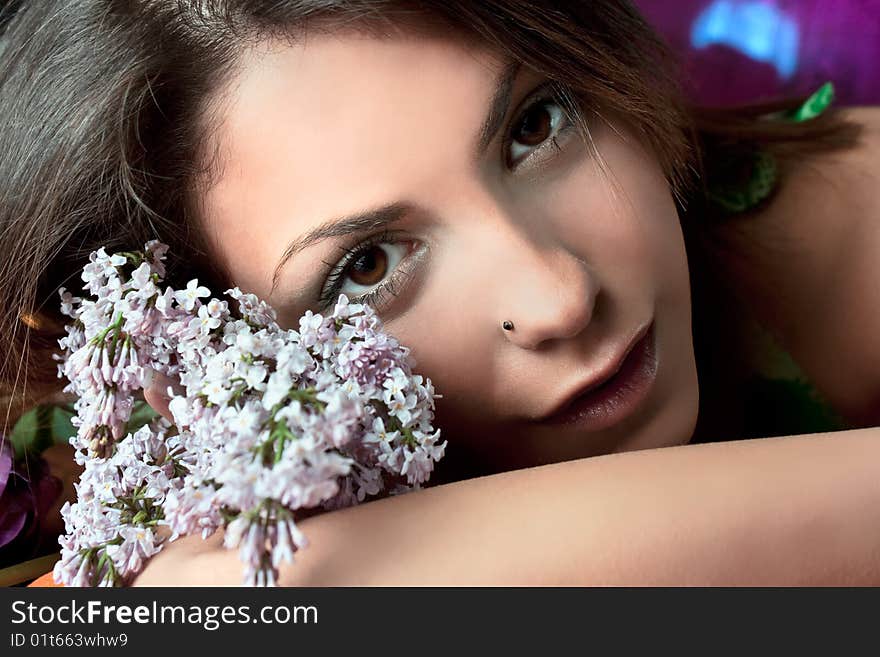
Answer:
(103, 141)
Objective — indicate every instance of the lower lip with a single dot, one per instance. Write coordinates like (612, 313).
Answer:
(617, 398)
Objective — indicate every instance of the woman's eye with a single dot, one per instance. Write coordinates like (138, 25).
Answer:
(369, 267)
(541, 123)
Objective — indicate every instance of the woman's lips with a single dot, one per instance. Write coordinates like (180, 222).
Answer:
(601, 406)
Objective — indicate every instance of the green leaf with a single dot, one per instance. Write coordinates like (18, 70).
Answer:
(62, 427)
(45, 425)
(24, 433)
(41, 427)
(141, 414)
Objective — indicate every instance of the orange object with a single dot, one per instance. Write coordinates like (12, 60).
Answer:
(45, 581)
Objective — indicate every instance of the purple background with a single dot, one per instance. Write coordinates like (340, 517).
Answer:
(795, 46)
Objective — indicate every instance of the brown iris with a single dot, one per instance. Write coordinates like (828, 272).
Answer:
(535, 127)
(370, 267)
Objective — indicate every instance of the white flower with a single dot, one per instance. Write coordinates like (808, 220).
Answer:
(67, 302)
(207, 321)
(164, 302)
(277, 389)
(140, 277)
(244, 421)
(254, 375)
(217, 393)
(345, 410)
(187, 298)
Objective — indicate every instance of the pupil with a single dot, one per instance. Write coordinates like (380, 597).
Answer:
(535, 126)
(370, 267)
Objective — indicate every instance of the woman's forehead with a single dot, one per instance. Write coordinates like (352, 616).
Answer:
(349, 98)
(336, 124)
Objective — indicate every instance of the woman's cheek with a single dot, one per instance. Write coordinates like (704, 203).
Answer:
(629, 221)
(450, 346)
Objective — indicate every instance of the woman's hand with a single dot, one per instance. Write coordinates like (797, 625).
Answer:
(156, 392)
(180, 563)
(172, 564)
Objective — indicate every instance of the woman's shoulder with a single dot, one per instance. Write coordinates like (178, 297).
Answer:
(828, 199)
(867, 116)
(808, 265)
(851, 174)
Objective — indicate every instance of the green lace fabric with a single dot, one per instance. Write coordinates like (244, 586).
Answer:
(779, 398)
(743, 186)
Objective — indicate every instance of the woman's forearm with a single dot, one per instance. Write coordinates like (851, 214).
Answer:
(795, 510)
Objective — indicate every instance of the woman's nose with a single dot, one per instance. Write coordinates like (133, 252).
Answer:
(547, 296)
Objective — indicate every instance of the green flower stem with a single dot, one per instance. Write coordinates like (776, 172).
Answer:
(272, 449)
(408, 438)
(99, 339)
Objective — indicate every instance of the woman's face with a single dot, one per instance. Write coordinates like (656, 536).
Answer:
(364, 166)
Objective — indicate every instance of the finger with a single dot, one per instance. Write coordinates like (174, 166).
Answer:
(158, 401)
(158, 395)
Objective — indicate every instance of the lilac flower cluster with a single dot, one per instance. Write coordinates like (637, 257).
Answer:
(273, 421)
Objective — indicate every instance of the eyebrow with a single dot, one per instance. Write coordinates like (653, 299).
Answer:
(380, 217)
(498, 107)
(357, 223)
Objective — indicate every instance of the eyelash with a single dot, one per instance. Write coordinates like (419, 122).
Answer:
(376, 297)
(379, 295)
(545, 92)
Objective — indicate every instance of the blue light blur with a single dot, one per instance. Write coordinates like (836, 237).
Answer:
(756, 29)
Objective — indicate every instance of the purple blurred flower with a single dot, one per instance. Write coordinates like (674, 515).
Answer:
(25, 498)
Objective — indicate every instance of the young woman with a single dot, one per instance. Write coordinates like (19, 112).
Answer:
(584, 267)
